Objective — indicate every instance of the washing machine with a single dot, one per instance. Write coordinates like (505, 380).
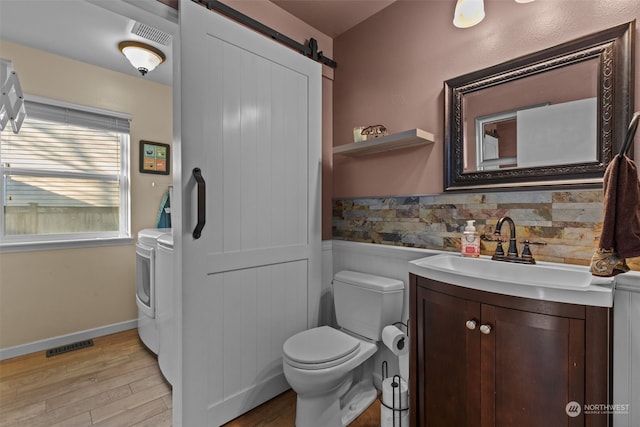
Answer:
(146, 248)
(166, 296)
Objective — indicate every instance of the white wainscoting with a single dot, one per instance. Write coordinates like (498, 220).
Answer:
(626, 350)
(382, 260)
(325, 301)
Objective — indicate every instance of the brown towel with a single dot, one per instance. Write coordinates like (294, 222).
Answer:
(605, 263)
(621, 223)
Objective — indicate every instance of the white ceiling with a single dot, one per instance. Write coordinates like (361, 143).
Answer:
(90, 30)
(81, 30)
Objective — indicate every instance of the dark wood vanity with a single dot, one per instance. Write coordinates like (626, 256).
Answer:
(482, 359)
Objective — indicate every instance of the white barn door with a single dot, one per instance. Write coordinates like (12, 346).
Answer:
(250, 120)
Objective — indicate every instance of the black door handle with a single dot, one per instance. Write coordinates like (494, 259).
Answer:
(202, 202)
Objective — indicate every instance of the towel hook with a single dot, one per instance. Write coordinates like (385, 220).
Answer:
(631, 131)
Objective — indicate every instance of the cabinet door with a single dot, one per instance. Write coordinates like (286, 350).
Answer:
(532, 367)
(448, 362)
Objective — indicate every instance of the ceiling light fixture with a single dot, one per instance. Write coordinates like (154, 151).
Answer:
(468, 13)
(471, 12)
(143, 57)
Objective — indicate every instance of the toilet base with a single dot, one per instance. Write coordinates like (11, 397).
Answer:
(357, 401)
(331, 411)
(318, 411)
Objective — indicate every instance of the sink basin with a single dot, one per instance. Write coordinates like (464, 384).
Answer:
(544, 281)
(486, 268)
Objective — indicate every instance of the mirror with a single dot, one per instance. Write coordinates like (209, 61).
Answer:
(551, 118)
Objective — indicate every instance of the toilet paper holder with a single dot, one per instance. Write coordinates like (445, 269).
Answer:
(396, 409)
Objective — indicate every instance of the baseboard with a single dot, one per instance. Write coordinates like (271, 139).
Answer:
(19, 350)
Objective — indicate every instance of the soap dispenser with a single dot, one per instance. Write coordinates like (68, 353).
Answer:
(470, 241)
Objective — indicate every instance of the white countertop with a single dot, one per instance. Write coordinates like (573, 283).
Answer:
(598, 291)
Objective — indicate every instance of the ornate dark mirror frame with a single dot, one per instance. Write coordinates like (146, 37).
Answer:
(613, 48)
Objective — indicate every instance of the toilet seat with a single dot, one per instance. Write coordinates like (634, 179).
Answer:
(320, 348)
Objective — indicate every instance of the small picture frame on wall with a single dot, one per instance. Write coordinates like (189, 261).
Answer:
(155, 157)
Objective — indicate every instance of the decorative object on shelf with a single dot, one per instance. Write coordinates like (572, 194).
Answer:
(11, 100)
(155, 158)
(374, 131)
(396, 141)
(357, 134)
(142, 56)
(364, 133)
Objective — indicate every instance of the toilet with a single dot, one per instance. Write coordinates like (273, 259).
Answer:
(331, 370)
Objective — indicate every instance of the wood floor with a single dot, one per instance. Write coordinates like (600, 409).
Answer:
(115, 383)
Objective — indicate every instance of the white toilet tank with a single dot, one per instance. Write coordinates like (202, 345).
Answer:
(365, 303)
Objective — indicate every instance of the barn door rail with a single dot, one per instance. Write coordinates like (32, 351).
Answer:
(310, 50)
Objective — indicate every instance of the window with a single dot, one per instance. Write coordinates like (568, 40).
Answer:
(65, 177)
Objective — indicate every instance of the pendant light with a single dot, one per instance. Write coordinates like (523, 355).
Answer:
(471, 12)
(143, 57)
(468, 13)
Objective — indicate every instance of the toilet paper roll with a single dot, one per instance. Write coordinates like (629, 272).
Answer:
(395, 339)
(398, 387)
(387, 416)
(403, 362)
(389, 390)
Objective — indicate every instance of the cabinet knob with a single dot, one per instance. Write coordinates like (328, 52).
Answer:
(471, 324)
(485, 329)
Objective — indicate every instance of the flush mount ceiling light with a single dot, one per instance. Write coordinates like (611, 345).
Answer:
(471, 12)
(143, 57)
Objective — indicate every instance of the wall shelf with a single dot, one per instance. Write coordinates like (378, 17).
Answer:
(396, 141)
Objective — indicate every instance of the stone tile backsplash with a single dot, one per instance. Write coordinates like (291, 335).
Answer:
(569, 222)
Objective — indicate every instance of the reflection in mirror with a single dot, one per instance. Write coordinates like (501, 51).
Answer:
(546, 110)
(549, 118)
(552, 134)
(495, 142)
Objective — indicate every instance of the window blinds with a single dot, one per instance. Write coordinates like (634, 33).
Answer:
(91, 119)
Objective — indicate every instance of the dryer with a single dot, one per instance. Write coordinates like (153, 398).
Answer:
(166, 296)
(146, 249)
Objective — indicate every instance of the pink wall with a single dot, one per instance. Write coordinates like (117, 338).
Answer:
(392, 67)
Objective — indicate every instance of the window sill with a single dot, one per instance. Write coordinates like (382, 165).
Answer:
(9, 247)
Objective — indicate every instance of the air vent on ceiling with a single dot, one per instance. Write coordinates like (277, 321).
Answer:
(151, 33)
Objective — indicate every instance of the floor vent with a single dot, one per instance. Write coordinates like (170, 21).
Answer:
(69, 347)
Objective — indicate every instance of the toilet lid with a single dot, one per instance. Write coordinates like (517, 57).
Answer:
(320, 346)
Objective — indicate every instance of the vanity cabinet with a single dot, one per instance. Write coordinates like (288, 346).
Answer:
(482, 359)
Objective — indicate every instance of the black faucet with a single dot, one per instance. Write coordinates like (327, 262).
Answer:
(513, 249)
(512, 252)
